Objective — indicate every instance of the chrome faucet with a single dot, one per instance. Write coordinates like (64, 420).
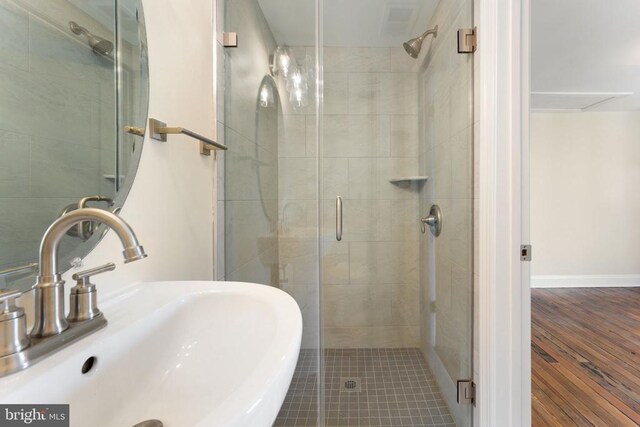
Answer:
(52, 330)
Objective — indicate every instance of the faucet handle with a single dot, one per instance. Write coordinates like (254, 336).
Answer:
(84, 296)
(8, 301)
(13, 324)
(83, 278)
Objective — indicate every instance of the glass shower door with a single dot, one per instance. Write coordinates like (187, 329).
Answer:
(396, 138)
(447, 275)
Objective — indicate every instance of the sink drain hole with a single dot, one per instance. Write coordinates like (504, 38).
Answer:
(149, 423)
(89, 364)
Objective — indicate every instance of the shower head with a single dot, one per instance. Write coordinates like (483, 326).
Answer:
(413, 46)
(98, 44)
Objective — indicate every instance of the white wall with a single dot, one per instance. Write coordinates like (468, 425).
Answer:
(170, 205)
(585, 204)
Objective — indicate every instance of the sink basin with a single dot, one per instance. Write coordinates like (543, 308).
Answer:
(185, 353)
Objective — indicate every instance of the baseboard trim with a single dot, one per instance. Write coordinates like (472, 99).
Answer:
(586, 281)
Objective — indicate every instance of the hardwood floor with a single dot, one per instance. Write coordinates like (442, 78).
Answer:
(585, 357)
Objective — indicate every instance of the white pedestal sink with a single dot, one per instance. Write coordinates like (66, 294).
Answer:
(185, 353)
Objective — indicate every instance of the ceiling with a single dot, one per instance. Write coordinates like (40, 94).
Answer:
(349, 23)
(585, 53)
(585, 50)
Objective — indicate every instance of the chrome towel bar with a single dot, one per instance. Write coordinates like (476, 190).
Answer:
(159, 130)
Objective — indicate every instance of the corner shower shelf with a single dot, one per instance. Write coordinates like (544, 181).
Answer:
(421, 179)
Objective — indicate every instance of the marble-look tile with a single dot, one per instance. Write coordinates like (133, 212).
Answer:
(61, 169)
(369, 178)
(403, 136)
(460, 235)
(364, 93)
(443, 284)
(248, 231)
(370, 337)
(353, 136)
(293, 137)
(311, 136)
(356, 59)
(462, 164)
(335, 262)
(298, 218)
(397, 93)
(255, 271)
(26, 219)
(15, 179)
(220, 77)
(298, 259)
(356, 305)
(383, 262)
(220, 240)
(220, 163)
(14, 44)
(335, 99)
(363, 220)
(54, 52)
(267, 127)
(405, 305)
(48, 110)
(401, 62)
(297, 178)
(335, 178)
(405, 224)
(250, 171)
(442, 172)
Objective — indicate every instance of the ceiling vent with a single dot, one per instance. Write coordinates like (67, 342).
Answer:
(398, 19)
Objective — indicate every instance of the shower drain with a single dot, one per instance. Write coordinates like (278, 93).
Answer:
(351, 384)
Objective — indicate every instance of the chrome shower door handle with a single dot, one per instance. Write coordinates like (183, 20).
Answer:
(338, 218)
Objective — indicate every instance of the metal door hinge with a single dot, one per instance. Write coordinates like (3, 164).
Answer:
(230, 39)
(466, 392)
(467, 40)
(525, 252)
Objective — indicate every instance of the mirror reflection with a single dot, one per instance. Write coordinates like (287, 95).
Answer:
(73, 76)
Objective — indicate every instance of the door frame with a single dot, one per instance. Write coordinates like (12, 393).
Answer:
(504, 305)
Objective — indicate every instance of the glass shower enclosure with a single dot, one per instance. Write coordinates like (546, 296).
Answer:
(340, 143)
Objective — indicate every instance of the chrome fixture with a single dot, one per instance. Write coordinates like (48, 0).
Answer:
(13, 324)
(230, 39)
(149, 423)
(85, 229)
(83, 301)
(51, 330)
(134, 130)
(338, 218)
(98, 44)
(18, 271)
(413, 46)
(467, 40)
(159, 130)
(434, 221)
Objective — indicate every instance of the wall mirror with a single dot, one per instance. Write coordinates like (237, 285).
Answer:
(73, 107)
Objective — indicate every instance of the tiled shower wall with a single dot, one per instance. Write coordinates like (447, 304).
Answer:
(370, 136)
(249, 198)
(57, 123)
